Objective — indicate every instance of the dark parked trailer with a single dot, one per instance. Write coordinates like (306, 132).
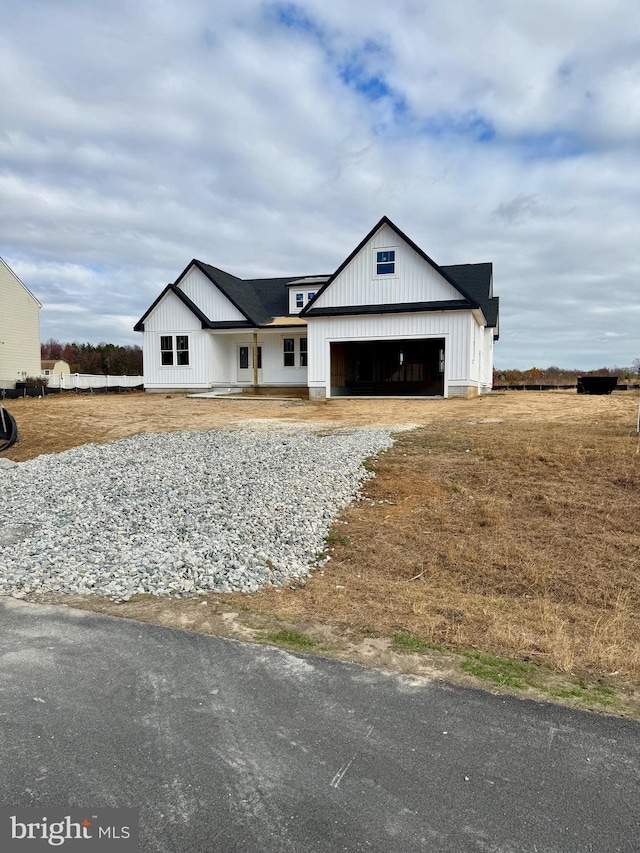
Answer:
(596, 384)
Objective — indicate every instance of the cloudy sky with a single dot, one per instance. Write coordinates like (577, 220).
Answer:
(267, 138)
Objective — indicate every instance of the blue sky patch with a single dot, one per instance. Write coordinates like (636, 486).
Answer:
(552, 145)
(294, 17)
(372, 87)
(470, 124)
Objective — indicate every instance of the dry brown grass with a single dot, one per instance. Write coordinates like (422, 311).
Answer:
(521, 542)
(508, 524)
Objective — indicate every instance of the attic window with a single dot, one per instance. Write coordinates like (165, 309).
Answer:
(299, 300)
(386, 262)
(310, 295)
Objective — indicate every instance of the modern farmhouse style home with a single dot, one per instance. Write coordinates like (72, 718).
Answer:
(388, 322)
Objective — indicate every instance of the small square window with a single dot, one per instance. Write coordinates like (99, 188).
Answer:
(303, 352)
(385, 262)
(310, 296)
(289, 352)
(299, 300)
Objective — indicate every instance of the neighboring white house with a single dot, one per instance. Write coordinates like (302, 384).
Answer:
(19, 330)
(388, 322)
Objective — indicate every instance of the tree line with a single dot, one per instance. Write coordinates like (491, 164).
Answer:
(107, 359)
(562, 376)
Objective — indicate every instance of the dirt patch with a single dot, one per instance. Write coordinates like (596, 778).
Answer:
(501, 533)
(59, 421)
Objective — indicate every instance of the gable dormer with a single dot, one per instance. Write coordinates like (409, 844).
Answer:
(387, 269)
(303, 290)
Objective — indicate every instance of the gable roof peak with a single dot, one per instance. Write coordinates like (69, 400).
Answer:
(473, 303)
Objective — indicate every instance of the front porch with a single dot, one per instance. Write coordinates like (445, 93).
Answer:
(265, 362)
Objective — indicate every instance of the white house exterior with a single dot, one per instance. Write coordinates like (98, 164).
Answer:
(19, 330)
(388, 322)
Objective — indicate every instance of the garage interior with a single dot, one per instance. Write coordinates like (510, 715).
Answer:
(405, 368)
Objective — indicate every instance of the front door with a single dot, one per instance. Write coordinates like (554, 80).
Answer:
(244, 363)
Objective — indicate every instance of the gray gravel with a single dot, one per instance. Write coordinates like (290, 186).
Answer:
(178, 513)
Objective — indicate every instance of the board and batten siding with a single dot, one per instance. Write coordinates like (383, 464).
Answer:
(211, 301)
(414, 280)
(19, 329)
(172, 317)
(273, 371)
(454, 326)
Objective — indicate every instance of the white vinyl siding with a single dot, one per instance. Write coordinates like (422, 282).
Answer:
(273, 371)
(413, 280)
(454, 326)
(211, 301)
(19, 329)
(194, 375)
(172, 318)
(171, 315)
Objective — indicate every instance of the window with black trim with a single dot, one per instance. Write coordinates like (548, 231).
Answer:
(289, 352)
(243, 357)
(166, 350)
(178, 354)
(310, 295)
(303, 352)
(386, 262)
(182, 350)
(299, 300)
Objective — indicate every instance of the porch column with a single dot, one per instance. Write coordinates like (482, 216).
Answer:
(255, 359)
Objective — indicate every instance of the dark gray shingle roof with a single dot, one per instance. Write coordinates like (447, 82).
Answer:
(262, 299)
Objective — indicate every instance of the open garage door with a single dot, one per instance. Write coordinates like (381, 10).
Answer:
(407, 368)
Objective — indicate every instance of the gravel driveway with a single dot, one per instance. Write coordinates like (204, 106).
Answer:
(178, 513)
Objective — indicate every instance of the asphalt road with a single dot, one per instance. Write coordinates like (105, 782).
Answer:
(227, 746)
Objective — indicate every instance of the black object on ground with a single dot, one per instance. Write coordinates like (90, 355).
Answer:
(596, 384)
(8, 429)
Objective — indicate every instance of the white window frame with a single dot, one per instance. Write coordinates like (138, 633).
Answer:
(286, 352)
(379, 250)
(174, 351)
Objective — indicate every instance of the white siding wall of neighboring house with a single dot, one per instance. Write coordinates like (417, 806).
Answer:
(454, 326)
(19, 329)
(212, 302)
(414, 280)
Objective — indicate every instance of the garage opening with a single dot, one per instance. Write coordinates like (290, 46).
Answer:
(388, 368)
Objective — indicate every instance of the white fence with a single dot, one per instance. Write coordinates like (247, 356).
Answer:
(84, 381)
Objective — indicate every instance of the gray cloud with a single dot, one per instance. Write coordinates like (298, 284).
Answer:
(268, 138)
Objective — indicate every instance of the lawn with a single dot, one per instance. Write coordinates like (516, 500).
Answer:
(501, 534)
